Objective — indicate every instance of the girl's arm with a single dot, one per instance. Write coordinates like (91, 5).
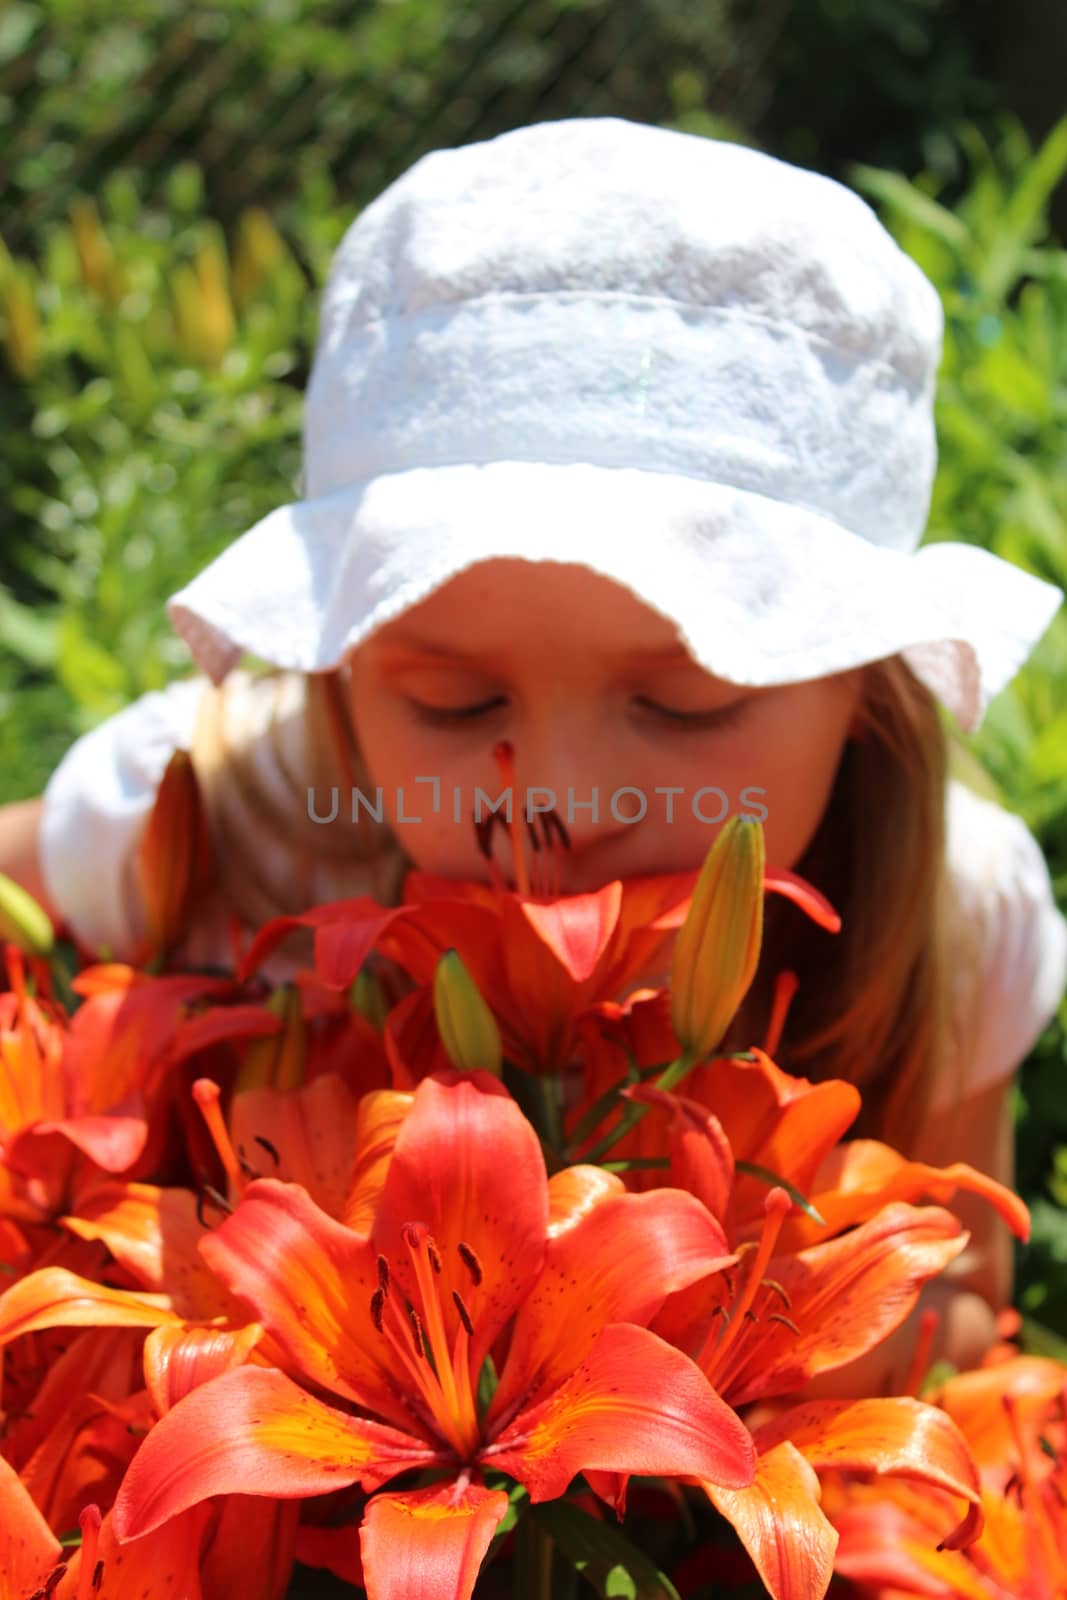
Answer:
(20, 827)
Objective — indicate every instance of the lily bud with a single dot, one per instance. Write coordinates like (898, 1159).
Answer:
(718, 944)
(23, 922)
(368, 997)
(467, 1026)
(175, 855)
(277, 1060)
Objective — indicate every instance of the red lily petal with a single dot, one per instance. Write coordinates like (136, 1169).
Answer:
(575, 1191)
(467, 1163)
(900, 1437)
(635, 1405)
(618, 1263)
(309, 1281)
(577, 929)
(113, 1142)
(154, 1233)
(165, 1566)
(428, 1542)
(83, 1457)
(776, 1121)
(56, 1298)
(28, 1547)
(844, 1296)
(702, 1162)
(252, 1431)
(380, 1117)
(177, 1360)
(251, 1549)
(779, 1522)
(351, 928)
(220, 1025)
(777, 880)
(862, 1175)
(305, 1135)
(335, 1548)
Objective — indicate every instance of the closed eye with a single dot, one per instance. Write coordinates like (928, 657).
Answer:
(444, 716)
(724, 716)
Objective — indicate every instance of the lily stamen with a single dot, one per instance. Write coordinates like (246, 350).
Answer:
(464, 1314)
(206, 1094)
(471, 1262)
(776, 1208)
(91, 1571)
(504, 756)
(441, 1375)
(1030, 1491)
(785, 988)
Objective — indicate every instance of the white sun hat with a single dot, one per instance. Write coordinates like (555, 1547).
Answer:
(696, 369)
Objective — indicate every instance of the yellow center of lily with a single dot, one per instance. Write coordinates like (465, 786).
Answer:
(415, 1331)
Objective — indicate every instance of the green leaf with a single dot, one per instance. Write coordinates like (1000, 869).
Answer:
(903, 197)
(765, 1175)
(1037, 1340)
(603, 1554)
(25, 633)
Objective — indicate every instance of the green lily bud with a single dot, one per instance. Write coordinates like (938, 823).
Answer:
(277, 1060)
(718, 945)
(368, 997)
(23, 921)
(467, 1026)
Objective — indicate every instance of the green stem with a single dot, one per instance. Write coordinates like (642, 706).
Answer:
(668, 1079)
(534, 1561)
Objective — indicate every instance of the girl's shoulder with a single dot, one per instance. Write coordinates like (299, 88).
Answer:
(98, 798)
(1007, 940)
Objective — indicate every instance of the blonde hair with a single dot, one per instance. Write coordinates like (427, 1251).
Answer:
(872, 1002)
(261, 744)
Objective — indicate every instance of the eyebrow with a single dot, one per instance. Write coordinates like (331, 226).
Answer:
(414, 645)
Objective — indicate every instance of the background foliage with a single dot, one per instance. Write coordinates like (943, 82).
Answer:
(175, 179)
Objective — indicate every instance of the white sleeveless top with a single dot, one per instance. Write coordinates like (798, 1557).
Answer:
(1010, 938)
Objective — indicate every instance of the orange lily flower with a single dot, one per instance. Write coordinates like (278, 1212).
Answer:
(395, 1326)
(29, 1550)
(1012, 1416)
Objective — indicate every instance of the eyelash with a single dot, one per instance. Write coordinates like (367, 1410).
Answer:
(726, 716)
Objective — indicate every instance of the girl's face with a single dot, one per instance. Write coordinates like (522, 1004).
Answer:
(601, 702)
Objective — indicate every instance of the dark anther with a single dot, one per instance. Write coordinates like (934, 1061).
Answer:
(750, 1316)
(435, 1259)
(416, 1331)
(269, 1148)
(464, 1314)
(483, 833)
(218, 1199)
(770, 1283)
(208, 1193)
(553, 823)
(98, 1574)
(535, 842)
(1049, 1448)
(776, 1316)
(383, 1275)
(471, 1262)
(377, 1308)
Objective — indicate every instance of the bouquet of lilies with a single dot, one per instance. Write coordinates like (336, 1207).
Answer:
(462, 1262)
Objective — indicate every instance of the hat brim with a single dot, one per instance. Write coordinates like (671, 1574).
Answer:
(762, 592)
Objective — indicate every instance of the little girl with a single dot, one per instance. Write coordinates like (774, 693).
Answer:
(619, 445)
